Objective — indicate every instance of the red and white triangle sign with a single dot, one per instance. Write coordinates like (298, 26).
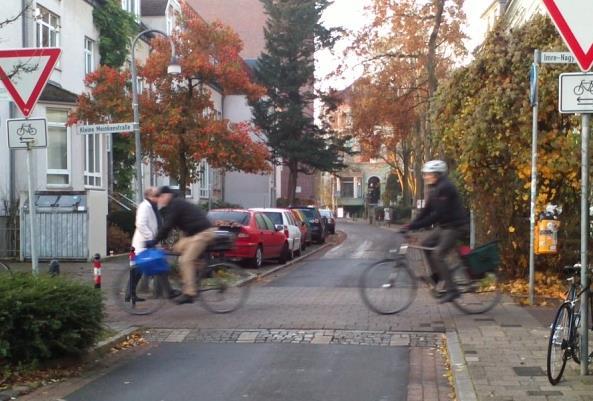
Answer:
(24, 73)
(573, 20)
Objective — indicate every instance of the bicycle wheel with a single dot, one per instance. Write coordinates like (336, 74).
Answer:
(4, 268)
(150, 293)
(558, 345)
(478, 295)
(388, 286)
(222, 287)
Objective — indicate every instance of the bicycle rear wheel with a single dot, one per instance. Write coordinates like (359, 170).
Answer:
(479, 295)
(150, 293)
(388, 286)
(222, 287)
(558, 345)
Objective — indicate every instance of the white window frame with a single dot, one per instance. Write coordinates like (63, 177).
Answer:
(65, 172)
(39, 24)
(98, 173)
(171, 13)
(89, 55)
(132, 6)
(204, 180)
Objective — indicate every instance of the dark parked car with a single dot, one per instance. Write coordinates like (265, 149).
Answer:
(316, 223)
(330, 220)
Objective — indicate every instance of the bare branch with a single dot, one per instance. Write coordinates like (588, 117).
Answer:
(10, 20)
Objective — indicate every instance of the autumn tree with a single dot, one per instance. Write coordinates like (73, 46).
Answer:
(406, 49)
(178, 123)
(286, 69)
(482, 119)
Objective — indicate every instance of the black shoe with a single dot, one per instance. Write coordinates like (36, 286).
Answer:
(450, 296)
(184, 299)
(174, 293)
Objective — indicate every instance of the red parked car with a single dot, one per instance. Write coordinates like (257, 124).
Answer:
(257, 238)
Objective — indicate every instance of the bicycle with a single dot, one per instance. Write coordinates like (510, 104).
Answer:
(221, 284)
(565, 341)
(390, 286)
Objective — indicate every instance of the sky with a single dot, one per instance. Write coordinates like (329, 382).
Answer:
(350, 14)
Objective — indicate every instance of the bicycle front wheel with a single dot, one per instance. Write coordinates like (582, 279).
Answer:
(222, 287)
(148, 296)
(388, 287)
(478, 294)
(559, 344)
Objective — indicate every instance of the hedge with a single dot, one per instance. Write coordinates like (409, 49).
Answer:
(43, 318)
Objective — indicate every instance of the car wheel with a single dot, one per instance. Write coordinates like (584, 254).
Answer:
(284, 255)
(258, 260)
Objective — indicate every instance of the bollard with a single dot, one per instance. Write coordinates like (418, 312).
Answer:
(132, 257)
(54, 268)
(97, 270)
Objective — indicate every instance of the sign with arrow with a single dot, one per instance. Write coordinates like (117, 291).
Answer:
(24, 73)
(576, 93)
(573, 20)
(24, 133)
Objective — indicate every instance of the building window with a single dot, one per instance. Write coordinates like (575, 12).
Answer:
(132, 6)
(204, 179)
(58, 155)
(48, 28)
(347, 187)
(171, 16)
(92, 162)
(89, 59)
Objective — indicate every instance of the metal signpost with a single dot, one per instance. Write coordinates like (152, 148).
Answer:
(24, 74)
(29, 133)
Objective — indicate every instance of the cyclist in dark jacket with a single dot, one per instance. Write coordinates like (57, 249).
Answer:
(443, 208)
(197, 234)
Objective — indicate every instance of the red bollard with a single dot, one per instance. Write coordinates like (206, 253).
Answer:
(97, 270)
(132, 257)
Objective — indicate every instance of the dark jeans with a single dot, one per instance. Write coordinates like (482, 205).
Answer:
(163, 284)
(444, 241)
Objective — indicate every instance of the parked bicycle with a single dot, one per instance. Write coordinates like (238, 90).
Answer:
(565, 340)
(390, 285)
(221, 284)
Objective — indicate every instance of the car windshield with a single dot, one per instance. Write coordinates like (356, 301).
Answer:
(309, 214)
(275, 217)
(326, 213)
(230, 216)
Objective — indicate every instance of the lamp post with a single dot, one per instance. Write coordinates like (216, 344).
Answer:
(174, 68)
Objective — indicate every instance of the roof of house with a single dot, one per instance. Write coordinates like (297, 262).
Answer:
(153, 8)
(55, 93)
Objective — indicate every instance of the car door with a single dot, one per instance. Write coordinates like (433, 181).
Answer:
(277, 238)
(266, 236)
(295, 231)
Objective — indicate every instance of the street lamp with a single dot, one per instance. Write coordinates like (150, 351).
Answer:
(174, 69)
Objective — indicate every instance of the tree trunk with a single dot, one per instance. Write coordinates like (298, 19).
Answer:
(183, 171)
(293, 174)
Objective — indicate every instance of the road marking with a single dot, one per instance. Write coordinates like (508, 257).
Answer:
(362, 249)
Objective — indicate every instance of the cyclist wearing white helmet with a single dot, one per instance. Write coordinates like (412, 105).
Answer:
(444, 210)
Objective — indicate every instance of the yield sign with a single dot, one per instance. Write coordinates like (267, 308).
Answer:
(25, 72)
(573, 20)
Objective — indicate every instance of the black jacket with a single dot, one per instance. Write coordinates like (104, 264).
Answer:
(185, 216)
(443, 207)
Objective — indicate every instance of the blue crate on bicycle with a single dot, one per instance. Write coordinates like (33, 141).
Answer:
(152, 261)
(483, 259)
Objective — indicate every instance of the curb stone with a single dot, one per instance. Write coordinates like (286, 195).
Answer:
(464, 388)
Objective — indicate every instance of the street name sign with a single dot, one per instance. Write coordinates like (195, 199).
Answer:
(24, 73)
(558, 58)
(576, 93)
(27, 132)
(573, 20)
(105, 128)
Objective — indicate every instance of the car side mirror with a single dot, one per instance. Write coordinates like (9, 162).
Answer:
(279, 227)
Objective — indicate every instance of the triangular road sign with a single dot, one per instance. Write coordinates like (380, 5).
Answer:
(25, 72)
(573, 20)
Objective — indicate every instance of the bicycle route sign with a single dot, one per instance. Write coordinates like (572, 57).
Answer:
(27, 132)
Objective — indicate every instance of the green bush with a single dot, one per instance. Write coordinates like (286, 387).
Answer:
(43, 318)
(124, 219)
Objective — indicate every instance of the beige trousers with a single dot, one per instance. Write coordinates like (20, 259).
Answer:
(190, 249)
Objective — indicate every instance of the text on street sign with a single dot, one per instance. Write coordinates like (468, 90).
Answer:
(105, 128)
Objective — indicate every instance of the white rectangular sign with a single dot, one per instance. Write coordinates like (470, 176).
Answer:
(558, 58)
(105, 128)
(576, 93)
(23, 131)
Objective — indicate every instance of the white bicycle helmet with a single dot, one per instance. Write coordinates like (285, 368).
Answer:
(435, 166)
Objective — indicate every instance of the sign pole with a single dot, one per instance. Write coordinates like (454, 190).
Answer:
(584, 237)
(32, 211)
(534, 103)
